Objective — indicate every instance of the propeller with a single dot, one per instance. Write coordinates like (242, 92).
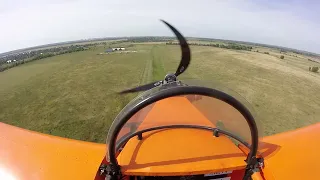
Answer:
(184, 63)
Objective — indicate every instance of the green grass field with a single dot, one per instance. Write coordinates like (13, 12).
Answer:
(74, 95)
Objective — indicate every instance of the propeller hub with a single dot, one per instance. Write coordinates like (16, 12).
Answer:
(170, 78)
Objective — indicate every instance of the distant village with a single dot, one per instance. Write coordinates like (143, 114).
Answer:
(15, 59)
(40, 52)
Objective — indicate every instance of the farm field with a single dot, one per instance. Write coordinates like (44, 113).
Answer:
(75, 95)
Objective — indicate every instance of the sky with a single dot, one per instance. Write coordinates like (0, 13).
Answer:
(293, 24)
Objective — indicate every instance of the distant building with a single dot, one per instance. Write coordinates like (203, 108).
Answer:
(119, 49)
(114, 49)
(108, 50)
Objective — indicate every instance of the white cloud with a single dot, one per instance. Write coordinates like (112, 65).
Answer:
(25, 24)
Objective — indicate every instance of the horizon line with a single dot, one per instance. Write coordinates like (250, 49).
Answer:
(119, 37)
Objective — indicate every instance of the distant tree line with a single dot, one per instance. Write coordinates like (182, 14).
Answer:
(300, 52)
(147, 39)
(226, 46)
(50, 54)
(313, 60)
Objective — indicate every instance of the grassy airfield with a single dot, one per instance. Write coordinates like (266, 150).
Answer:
(74, 95)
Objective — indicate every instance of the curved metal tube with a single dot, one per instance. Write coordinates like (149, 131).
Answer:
(127, 138)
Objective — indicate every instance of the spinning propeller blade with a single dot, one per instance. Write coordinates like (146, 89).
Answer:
(185, 57)
(184, 63)
(142, 87)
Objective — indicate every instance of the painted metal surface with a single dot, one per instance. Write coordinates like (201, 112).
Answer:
(30, 155)
(292, 155)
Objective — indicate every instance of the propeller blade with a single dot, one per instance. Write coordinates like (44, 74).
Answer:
(185, 56)
(184, 63)
(142, 88)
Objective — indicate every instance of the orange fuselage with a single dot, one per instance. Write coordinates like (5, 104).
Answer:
(26, 154)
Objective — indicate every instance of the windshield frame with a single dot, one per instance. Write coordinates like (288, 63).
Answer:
(184, 90)
(216, 132)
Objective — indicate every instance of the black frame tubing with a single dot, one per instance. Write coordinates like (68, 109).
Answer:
(220, 131)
